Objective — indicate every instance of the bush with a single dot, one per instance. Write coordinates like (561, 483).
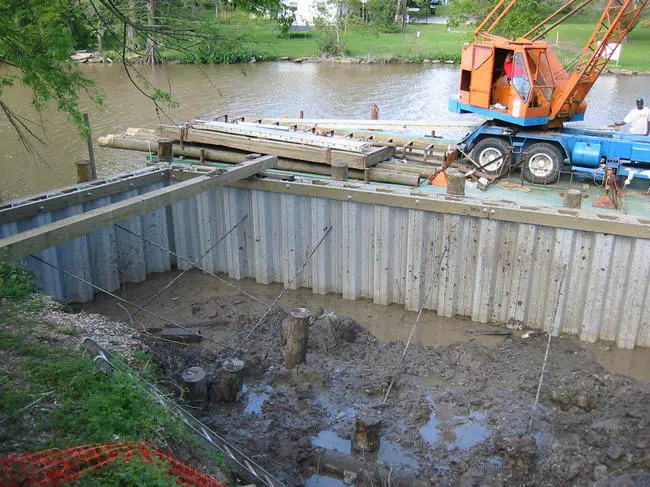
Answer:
(214, 47)
(17, 281)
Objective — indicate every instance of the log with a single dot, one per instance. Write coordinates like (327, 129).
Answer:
(455, 181)
(180, 335)
(232, 379)
(572, 198)
(365, 438)
(195, 387)
(295, 350)
(387, 173)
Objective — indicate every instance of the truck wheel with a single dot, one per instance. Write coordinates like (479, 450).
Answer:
(491, 149)
(542, 164)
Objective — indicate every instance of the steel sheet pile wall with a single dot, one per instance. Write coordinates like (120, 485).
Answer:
(589, 284)
(106, 258)
(455, 256)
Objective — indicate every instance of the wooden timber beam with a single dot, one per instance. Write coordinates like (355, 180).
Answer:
(26, 243)
(79, 194)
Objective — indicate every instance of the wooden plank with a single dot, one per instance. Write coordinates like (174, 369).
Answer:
(26, 243)
(74, 195)
(625, 226)
(277, 148)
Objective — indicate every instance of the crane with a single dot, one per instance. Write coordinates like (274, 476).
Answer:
(542, 92)
(528, 101)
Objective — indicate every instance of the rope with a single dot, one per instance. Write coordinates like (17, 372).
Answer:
(417, 320)
(171, 252)
(298, 272)
(163, 289)
(546, 354)
(119, 298)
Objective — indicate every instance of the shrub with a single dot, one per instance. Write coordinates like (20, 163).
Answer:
(17, 281)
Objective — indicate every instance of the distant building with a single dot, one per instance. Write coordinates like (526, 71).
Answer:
(308, 10)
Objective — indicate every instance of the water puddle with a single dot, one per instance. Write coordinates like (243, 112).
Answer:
(331, 441)
(433, 380)
(430, 431)
(324, 481)
(469, 435)
(393, 455)
(255, 400)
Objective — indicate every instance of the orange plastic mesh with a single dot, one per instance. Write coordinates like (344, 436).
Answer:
(61, 465)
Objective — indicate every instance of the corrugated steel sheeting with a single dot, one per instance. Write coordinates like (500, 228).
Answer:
(593, 285)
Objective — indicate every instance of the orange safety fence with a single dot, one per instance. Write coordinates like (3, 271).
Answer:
(63, 465)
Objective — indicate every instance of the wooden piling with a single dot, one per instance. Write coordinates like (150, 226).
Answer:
(374, 112)
(572, 198)
(455, 181)
(339, 171)
(232, 379)
(91, 150)
(165, 150)
(295, 349)
(366, 431)
(84, 171)
(195, 386)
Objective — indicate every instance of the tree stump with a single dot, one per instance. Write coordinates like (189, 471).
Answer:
(366, 431)
(339, 171)
(165, 150)
(455, 181)
(232, 379)
(295, 349)
(572, 198)
(195, 385)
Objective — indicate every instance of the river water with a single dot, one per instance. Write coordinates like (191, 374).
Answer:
(320, 90)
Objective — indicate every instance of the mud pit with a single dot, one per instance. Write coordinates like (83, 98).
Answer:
(458, 413)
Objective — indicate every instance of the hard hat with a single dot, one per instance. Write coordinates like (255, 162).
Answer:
(639, 100)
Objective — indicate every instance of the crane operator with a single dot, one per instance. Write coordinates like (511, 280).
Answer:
(637, 119)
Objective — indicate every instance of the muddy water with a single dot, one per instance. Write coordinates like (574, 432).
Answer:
(198, 295)
(321, 90)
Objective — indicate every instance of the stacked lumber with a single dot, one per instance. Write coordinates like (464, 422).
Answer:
(282, 143)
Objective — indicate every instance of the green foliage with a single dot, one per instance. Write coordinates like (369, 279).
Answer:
(330, 42)
(36, 38)
(285, 21)
(214, 47)
(17, 281)
(382, 14)
(524, 15)
(133, 473)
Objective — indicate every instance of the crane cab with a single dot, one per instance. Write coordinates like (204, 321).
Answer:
(520, 94)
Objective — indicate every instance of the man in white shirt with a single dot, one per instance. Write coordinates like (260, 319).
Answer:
(637, 119)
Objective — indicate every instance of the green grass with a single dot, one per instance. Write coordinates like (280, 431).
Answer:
(86, 405)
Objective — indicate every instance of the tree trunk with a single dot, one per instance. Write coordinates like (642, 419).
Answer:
(150, 56)
(100, 42)
(131, 34)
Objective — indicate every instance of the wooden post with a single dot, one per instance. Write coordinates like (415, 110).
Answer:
(374, 112)
(84, 171)
(366, 431)
(455, 181)
(339, 171)
(231, 380)
(165, 150)
(572, 198)
(91, 151)
(295, 350)
(202, 156)
(195, 386)
(302, 114)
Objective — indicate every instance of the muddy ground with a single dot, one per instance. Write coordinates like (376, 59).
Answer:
(460, 413)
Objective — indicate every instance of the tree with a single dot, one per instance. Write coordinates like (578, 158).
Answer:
(524, 15)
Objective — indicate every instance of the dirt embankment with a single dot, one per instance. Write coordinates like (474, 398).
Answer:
(461, 414)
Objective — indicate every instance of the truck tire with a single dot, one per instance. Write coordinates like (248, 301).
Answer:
(542, 163)
(489, 149)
